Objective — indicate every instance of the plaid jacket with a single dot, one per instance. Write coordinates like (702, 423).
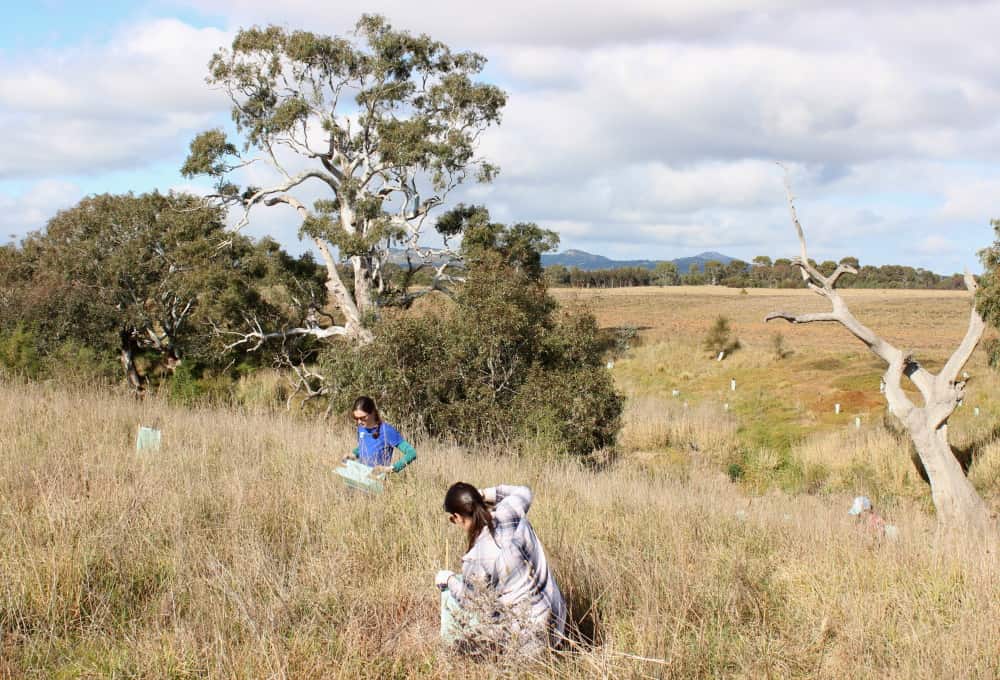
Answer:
(511, 565)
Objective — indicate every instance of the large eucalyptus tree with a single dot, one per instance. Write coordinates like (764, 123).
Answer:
(368, 124)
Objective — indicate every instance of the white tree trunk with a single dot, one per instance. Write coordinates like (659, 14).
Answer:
(958, 505)
(960, 509)
(362, 284)
(341, 298)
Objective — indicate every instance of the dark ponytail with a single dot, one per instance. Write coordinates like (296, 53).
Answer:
(465, 500)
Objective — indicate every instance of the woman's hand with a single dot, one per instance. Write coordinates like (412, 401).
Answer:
(381, 470)
(441, 578)
(348, 457)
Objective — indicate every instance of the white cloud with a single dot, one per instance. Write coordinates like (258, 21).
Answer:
(973, 201)
(524, 22)
(639, 125)
(30, 209)
(933, 244)
(121, 105)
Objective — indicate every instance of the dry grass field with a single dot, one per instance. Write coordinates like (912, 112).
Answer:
(904, 317)
(234, 552)
(780, 425)
(715, 544)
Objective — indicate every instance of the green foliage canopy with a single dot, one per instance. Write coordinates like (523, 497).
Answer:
(370, 118)
(500, 363)
(145, 274)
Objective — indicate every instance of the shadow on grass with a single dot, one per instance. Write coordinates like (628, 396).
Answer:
(966, 455)
(583, 628)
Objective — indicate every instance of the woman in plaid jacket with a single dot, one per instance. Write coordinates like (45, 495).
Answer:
(505, 570)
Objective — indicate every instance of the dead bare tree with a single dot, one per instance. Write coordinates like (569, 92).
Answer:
(959, 507)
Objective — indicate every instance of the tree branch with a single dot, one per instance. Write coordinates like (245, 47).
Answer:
(968, 345)
(255, 339)
(899, 404)
(266, 196)
(840, 271)
(795, 221)
(305, 377)
(841, 314)
(803, 318)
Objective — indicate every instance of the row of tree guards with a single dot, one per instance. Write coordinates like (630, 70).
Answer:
(836, 406)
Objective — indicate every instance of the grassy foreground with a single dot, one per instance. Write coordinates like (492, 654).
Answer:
(235, 552)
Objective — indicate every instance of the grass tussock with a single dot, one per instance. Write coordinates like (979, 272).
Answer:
(234, 552)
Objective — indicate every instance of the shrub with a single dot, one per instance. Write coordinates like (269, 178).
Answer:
(184, 385)
(449, 378)
(720, 338)
(625, 338)
(19, 352)
(570, 411)
(498, 365)
(778, 346)
(992, 347)
(76, 363)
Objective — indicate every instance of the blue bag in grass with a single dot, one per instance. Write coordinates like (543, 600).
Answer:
(359, 476)
(456, 623)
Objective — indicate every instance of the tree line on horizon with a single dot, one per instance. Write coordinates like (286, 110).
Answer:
(762, 272)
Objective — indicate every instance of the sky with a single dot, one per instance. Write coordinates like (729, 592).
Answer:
(635, 129)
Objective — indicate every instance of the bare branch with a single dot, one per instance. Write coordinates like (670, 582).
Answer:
(813, 278)
(899, 404)
(795, 221)
(266, 196)
(840, 271)
(840, 313)
(304, 382)
(256, 338)
(968, 345)
(803, 318)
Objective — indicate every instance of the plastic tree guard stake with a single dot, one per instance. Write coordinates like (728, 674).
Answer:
(147, 439)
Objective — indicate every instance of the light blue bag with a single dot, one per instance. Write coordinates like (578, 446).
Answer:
(359, 476)
(455, 622)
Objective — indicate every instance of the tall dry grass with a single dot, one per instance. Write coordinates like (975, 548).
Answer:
(234, 552)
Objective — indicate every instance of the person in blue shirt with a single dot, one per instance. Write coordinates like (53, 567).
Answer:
(377, 440)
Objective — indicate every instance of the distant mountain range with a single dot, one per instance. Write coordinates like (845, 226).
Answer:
(589, 261)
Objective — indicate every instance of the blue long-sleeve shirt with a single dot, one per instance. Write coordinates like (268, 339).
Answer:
(377, 444)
